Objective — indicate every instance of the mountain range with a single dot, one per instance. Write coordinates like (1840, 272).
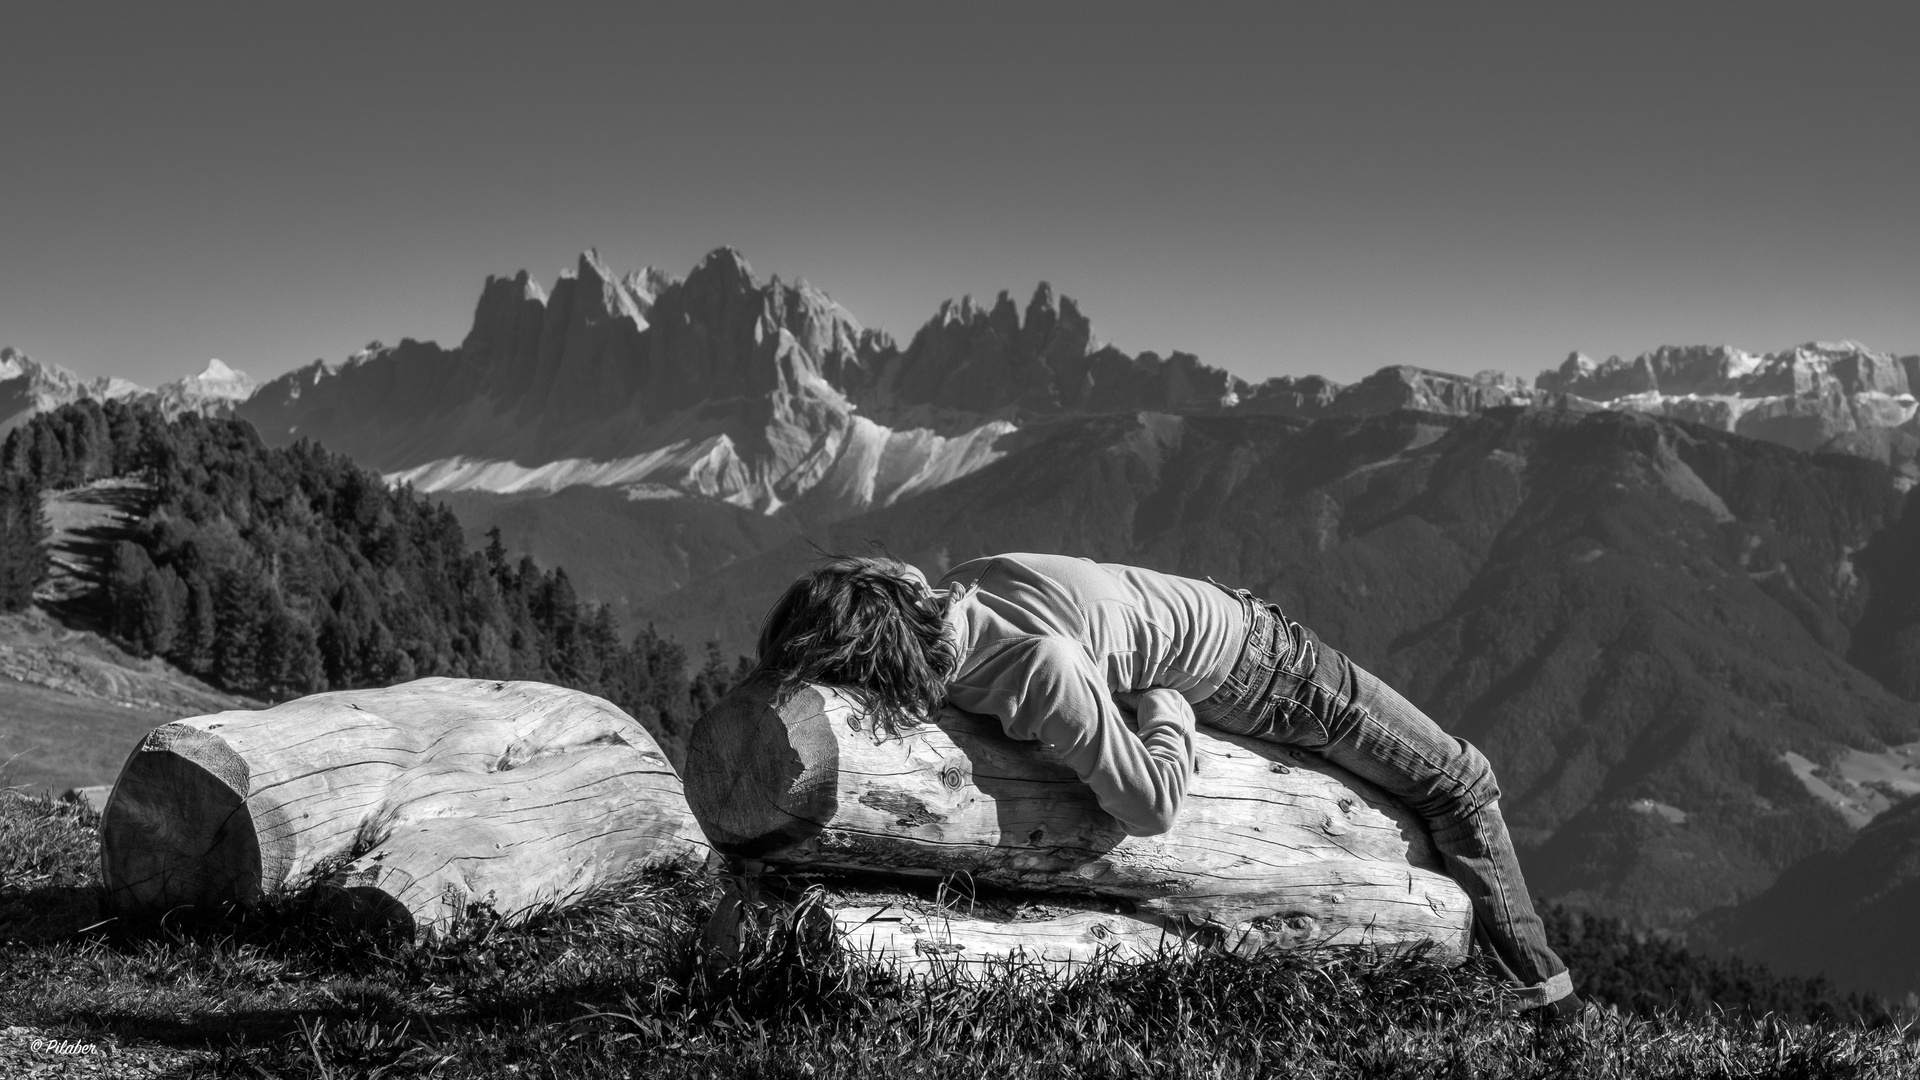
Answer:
(768, 395)
(1670, 597)
(29, 387)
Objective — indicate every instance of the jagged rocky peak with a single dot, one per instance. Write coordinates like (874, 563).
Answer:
(973, 358)
(217, 380)
(1831, 395)
(48, 386)
(995, 360)
(506, 321)
(648, 283)
(607, 294)
(28, 386)
(216, 391)
(720, 334)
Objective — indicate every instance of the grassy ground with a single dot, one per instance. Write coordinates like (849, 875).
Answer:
(617, 989)
(53, 740)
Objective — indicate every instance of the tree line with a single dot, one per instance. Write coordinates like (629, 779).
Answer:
(281, 572)
(1649, 974)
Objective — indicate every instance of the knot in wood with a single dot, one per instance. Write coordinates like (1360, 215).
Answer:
(953, 777)
(1346, 806)
(1100, 930)
(1277, 767)
(912, 812)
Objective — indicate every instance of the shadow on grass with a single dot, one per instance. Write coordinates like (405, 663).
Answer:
(282, 973)
(49, 914)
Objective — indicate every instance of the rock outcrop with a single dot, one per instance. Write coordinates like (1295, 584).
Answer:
(1806, 397)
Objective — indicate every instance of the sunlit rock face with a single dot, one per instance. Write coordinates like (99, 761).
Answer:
(28, 387)
(1806, 397)
(213, 392)
(766, 395)
(716, 384)
(770, 396)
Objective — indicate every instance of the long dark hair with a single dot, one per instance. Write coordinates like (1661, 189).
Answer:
(865, 626)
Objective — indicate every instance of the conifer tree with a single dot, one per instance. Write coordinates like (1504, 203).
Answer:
(23, 541)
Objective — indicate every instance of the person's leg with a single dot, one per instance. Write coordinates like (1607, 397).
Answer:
(1337, 709)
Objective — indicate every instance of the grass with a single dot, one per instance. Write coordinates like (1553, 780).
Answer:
(617, 988)
(55, 740)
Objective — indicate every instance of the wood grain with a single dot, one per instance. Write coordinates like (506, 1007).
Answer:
(406, 802)
(1271, 843)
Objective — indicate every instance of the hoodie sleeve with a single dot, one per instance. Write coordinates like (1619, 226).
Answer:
(1046, 688)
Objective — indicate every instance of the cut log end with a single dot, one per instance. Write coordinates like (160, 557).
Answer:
(762, 775)
(404, 804)
(176, 829)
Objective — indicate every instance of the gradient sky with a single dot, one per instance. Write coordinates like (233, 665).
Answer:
(1312, 188)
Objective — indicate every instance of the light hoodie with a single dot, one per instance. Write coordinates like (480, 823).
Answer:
(1046, 641)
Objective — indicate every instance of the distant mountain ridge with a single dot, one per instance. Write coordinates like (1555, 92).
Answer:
(1806, 397)
(769, 395)
(29, 387)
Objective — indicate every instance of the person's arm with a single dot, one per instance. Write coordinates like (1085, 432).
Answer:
(1046, 689)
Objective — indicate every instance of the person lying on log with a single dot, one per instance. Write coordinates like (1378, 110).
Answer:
(1054, 646)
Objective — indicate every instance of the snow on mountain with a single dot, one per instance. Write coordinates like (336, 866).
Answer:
(768, 394)
(215, 390)
(759, 394)
(1804, 397)
(28, 386)
(856, 467)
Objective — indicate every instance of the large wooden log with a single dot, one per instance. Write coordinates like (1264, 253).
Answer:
(1272, 846)
(404, 803)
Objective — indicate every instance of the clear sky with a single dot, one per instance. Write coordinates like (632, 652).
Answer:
(1305, 188)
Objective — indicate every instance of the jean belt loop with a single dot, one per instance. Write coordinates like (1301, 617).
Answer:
(1254, 652)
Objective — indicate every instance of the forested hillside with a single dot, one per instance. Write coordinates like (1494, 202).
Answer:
(281, 572)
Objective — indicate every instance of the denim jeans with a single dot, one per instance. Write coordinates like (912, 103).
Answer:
(1289, 688)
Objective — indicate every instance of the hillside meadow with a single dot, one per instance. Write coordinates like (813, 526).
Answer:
(616, 988)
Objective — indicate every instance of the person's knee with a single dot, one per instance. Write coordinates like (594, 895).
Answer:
(1462, 790)
(1477, 781)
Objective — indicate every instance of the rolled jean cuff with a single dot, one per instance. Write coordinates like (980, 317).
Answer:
(1546, 993)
